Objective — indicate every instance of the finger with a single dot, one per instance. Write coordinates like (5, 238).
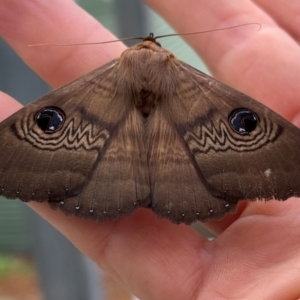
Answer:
(285, 13)
(261, 64)
(32, 22)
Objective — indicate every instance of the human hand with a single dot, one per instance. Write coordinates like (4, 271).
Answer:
(256, 255)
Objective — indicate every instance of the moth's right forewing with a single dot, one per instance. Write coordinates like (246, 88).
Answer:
(179, 191)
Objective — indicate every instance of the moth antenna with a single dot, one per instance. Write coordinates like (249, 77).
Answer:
(92, 43)
(150, 37)
(206, 31)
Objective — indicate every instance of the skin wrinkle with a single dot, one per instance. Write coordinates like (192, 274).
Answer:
(217, 291)
(200, 283)
(104, 252)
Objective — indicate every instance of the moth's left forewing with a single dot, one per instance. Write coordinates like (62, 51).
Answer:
(41, 165)
(236, 165)
(37, 164)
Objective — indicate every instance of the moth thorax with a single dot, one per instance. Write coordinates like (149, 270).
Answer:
(146, 101)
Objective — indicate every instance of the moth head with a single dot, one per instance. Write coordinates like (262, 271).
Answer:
(243, 120)
(50, 119)
(152, 39)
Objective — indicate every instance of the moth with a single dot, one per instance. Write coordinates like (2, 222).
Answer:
(148, 130)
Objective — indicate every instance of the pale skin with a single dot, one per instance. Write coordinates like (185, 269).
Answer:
(257, 252)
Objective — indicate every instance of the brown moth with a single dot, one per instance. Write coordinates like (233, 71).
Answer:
(148, 130)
